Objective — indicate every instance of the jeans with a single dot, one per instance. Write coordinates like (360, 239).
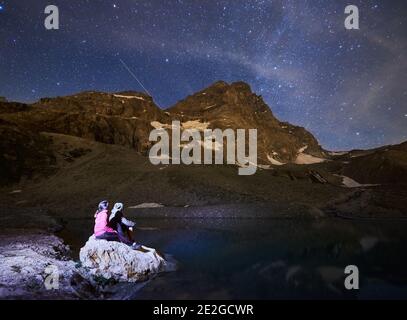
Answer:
(109, 236)
(120, 236)
(124, 235)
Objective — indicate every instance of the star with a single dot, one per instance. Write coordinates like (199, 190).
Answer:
(296, 68)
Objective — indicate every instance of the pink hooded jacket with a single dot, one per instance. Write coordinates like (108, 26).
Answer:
(101, 226)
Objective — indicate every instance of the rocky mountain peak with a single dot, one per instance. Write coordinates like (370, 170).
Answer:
(235, 105)
(234, 97)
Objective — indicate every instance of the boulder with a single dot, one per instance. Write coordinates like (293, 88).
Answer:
(115, 260)
(37, 266)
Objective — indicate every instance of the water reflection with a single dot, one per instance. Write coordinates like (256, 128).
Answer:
(271, 259)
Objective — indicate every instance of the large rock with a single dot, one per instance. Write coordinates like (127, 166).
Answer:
(115, 260)
(35, 265)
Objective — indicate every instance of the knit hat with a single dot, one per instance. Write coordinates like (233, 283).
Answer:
(103, 205)
(117, 207)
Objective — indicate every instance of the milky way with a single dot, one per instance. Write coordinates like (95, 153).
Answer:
(348, 87)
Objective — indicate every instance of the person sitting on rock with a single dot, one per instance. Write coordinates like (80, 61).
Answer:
(123, 226)
(103, 231)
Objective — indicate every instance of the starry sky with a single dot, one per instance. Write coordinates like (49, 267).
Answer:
(348, 87)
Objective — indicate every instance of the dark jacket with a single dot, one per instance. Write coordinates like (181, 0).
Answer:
(117, 217)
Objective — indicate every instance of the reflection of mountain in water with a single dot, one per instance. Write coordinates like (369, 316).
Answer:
(263, 259)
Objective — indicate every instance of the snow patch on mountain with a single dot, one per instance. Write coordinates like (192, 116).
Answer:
(301, 150)
(337, 153)
(129, 97)
(274, 161)
(195, 124)
(350, 183)
(159, 125)
(304, 158)
(210, 107)
(188, 125)
(145, 205)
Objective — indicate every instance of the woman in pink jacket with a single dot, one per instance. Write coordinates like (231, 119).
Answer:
(102, 230)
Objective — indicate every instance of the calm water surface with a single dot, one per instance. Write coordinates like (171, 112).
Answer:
(268, 259)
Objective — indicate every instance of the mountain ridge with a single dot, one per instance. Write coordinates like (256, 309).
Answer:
(126, 118)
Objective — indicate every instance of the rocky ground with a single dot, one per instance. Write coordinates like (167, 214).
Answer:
(30, 254)
(29, 262)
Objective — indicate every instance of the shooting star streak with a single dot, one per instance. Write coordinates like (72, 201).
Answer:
(134, 76)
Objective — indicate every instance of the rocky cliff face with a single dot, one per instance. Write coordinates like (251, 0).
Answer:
(123, 118)
(235, 106)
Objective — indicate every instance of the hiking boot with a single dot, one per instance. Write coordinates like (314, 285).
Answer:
(136, 246)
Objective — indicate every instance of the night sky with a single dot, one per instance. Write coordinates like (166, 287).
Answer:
(348, 87)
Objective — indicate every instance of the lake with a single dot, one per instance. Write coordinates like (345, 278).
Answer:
(267, 258)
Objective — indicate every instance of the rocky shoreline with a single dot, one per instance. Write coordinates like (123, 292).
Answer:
(37, 264)
(30, 254)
